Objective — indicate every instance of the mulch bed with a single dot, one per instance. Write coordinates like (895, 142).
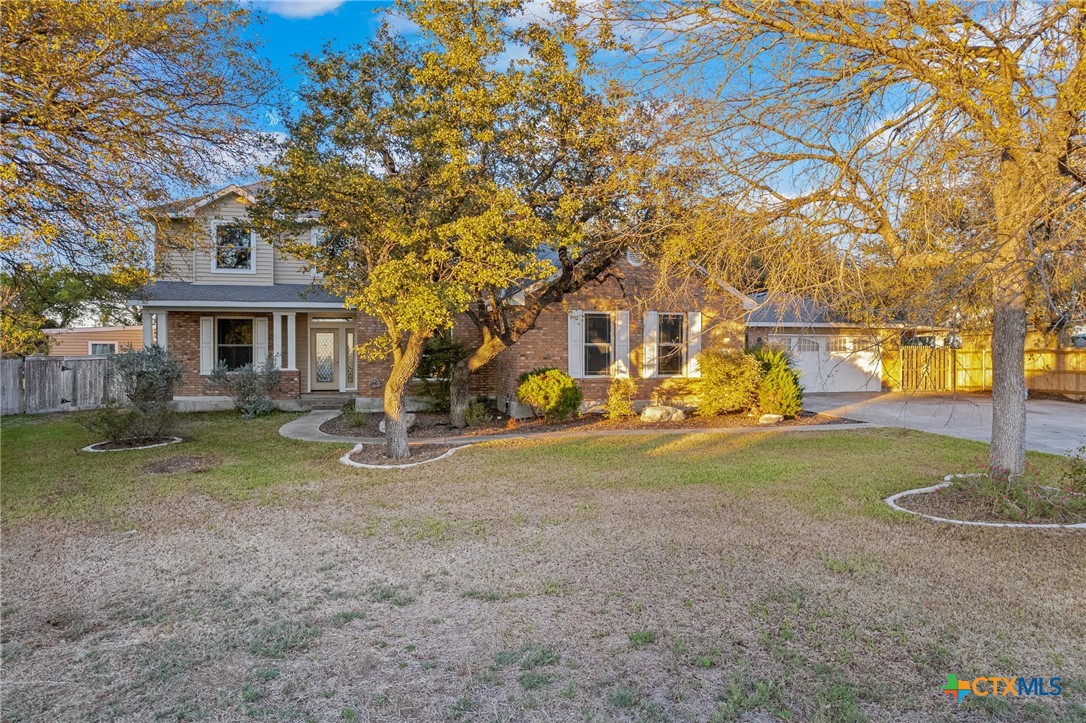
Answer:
(134, 443)
(956, 503)
(432, 424)
(180, 463)
(375, 454)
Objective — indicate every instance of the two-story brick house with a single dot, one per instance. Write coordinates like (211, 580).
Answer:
(235, 299)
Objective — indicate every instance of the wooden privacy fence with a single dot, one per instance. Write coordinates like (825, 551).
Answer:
(51, 384)
(943, 369)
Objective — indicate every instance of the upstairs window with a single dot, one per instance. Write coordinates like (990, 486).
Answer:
(234, 342)
(598, 345)
(671, 345)
(233, 247)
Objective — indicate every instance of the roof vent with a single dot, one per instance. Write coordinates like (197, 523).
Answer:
(634, 258)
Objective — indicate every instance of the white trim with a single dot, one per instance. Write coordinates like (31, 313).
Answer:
(292, 342)
(621, 363)
(694, 331)
(211, 198)
(260, 341)
(207, 345)
(650, 334)
(575, 344)
(148, 330)
(215, 224)
(232, 305)
(277, 339)
(90, 346)
(161, 317)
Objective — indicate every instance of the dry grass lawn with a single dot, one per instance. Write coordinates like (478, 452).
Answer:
(704, 577)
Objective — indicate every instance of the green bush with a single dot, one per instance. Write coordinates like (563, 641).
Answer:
(146, 377)
(729, 381)
(477, 413)
(780, 391)
(620, 398)
(247, 386)
(353, 417)
(550, 393)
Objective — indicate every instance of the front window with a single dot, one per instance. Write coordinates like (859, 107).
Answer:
(103, 347)
(234, 342)
(805, 344)
(233, 247)
(671, 344)
(598, 340)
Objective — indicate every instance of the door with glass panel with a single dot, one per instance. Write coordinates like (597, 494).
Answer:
(325, 359)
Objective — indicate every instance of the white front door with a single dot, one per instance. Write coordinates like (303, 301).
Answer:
(324, 364)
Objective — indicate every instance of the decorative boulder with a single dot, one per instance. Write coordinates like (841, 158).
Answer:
(409, 416)
(770, 419)
(660, 413)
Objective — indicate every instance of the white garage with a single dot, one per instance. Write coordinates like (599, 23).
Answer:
(833, 362)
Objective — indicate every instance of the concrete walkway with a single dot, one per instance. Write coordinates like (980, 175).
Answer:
(1051, 426)
(307, 429)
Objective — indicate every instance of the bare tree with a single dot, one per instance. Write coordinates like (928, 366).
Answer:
(832, 120)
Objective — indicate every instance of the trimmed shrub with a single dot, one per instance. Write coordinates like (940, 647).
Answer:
(147, 378)
(729, 382)
(353, 417)
(477, 413)
(550, 393)
(780, 391)
(620, 398)
(247, 386)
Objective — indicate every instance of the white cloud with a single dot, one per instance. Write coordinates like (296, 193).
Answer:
(299, 8)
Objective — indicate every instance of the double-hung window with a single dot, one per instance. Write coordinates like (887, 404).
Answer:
(234, 342)
(233, 247)
(671, 349)
(599, 346)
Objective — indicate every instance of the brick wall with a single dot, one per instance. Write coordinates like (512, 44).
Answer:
(183, 339)
(625, 288)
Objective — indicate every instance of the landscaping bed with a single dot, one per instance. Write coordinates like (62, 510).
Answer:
(132, 444)
(433, 424)
(971, 500)
(374, 454)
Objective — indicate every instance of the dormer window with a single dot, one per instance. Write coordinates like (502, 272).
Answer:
(233, 247)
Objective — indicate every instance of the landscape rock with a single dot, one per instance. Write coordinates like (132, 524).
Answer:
(770, 419)
(661, 413)
(409, 416)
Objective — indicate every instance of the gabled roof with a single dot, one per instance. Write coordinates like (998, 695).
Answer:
(186, 207)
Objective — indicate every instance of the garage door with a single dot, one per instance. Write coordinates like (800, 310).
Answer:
(834, 363)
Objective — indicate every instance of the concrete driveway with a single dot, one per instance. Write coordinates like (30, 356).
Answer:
(1055, 427)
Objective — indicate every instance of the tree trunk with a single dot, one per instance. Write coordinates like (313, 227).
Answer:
(403, 369)
(460, 382)
(1008, 451)
(459, 394)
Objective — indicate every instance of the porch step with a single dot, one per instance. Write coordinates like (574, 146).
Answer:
(326, 401)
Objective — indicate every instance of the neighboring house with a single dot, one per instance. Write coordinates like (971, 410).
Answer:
(236, 300)
(93, 340)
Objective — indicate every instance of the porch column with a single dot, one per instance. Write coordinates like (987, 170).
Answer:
(148, 330)
(292, 357)
(161, 328)
(277, 339)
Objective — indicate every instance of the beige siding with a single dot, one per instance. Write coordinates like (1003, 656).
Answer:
(76, 342)
(288, 269)
(231, 208)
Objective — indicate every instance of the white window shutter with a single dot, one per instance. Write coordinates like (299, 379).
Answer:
(622, 344)
(260, 341)
(693, 347)
(576, 344)
(650, 333)
(207, 344)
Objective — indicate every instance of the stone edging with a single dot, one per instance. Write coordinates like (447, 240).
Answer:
(892, 502)
(346, 459)
(169, 440)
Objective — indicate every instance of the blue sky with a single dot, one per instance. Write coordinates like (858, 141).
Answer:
(291, 27)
